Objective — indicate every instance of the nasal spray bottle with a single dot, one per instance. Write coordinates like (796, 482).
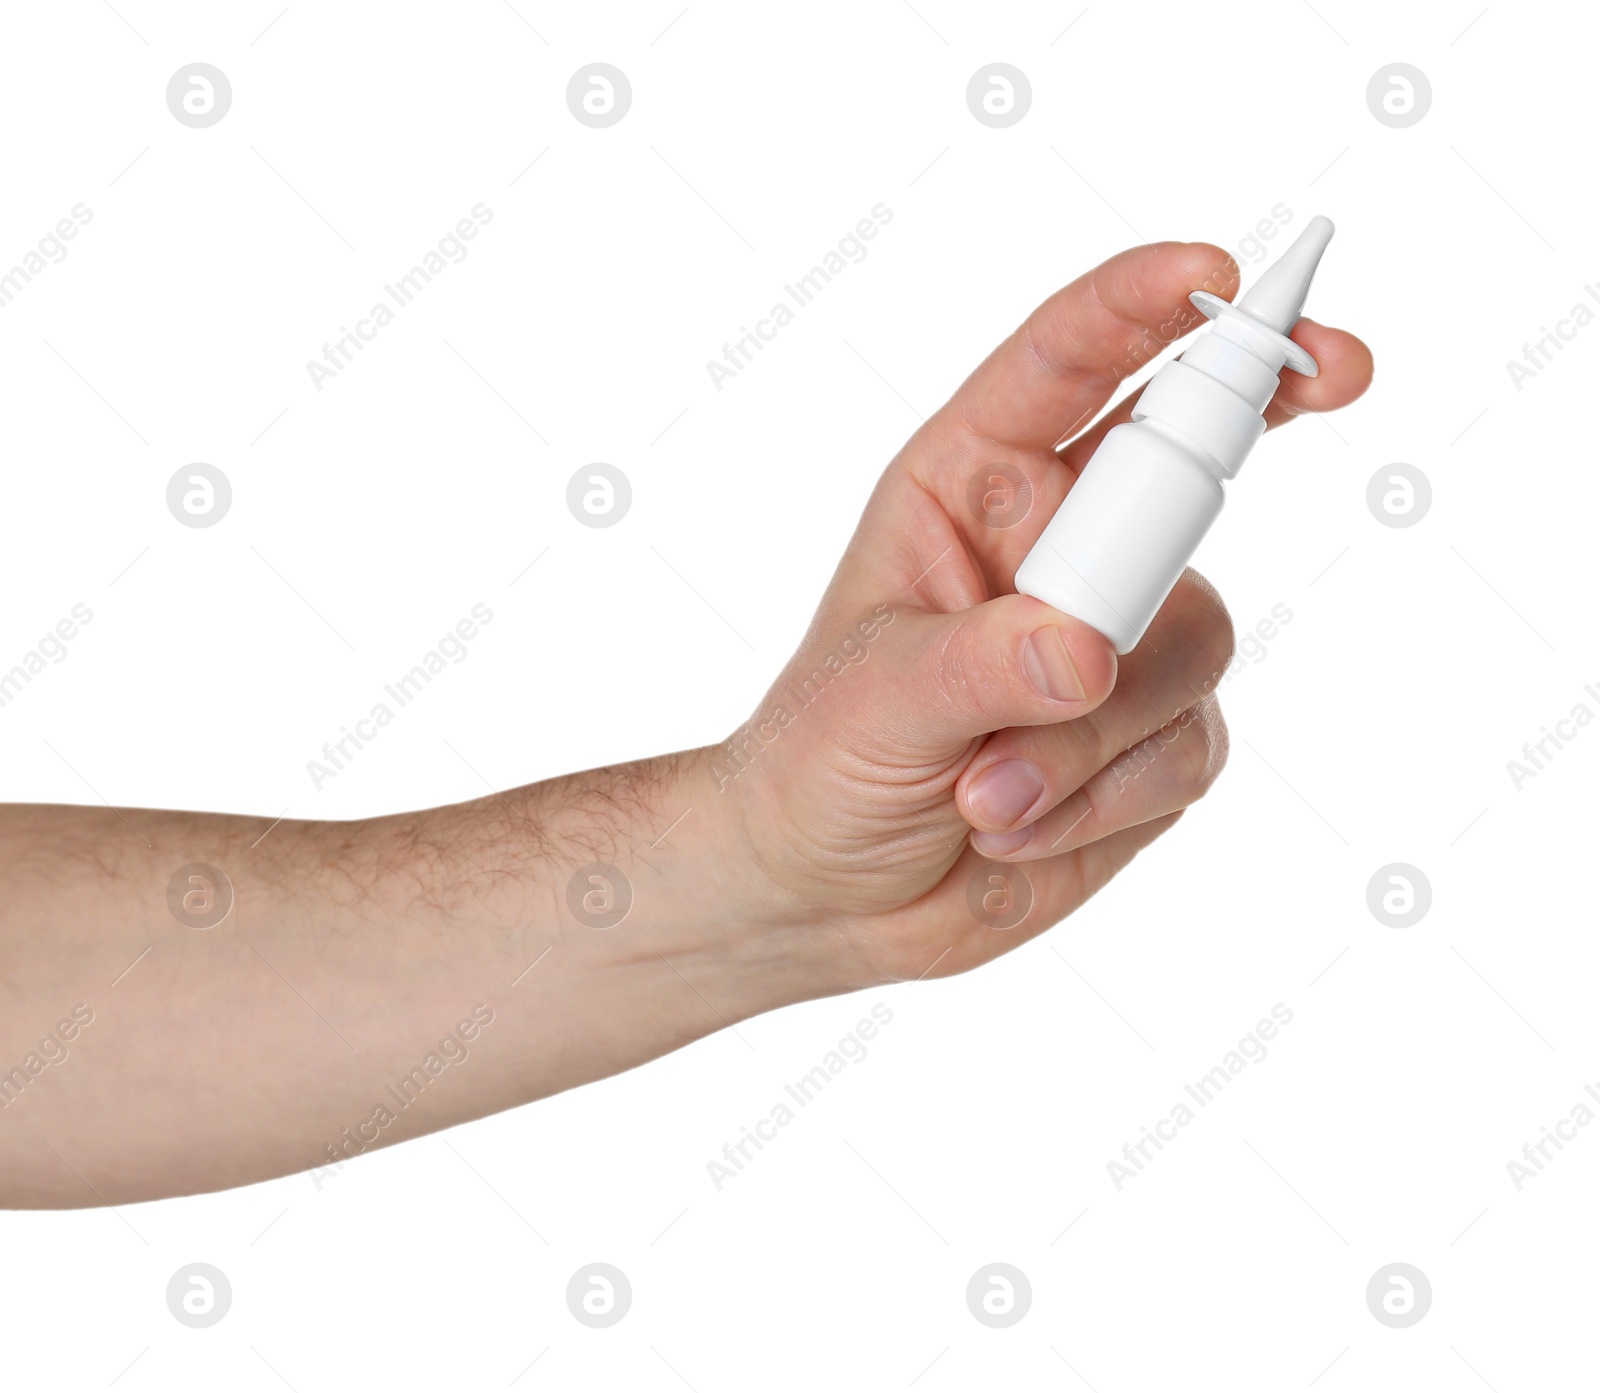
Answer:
(1118, 544)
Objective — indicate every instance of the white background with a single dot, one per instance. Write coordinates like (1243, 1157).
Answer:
(369, 517)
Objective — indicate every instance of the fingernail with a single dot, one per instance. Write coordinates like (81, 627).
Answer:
(1001, 843)
(1049, 666)
(1004, 791)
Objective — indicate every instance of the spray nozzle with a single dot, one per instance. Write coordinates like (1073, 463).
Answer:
(1276, 299)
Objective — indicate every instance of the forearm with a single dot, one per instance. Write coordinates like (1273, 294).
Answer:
(331, 1010)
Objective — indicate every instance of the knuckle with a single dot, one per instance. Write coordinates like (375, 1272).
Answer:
(1204, 748)
(1155, 755)
(954, 674)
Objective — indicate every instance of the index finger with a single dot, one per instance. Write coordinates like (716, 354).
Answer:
(1061, 365)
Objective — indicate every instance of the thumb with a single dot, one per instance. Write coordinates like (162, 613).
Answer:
(1012, 661)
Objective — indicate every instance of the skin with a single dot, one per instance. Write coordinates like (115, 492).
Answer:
(818, 854)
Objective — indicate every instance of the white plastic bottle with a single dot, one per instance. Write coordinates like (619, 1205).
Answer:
(1129, 525)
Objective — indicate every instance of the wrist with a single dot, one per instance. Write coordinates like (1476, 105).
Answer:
(652, 870)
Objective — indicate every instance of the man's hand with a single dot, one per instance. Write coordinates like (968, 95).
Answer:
(934, 720)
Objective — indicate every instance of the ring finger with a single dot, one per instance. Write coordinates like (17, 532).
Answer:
(1162, 774)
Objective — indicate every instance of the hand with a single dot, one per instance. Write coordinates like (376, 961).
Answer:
(934, 720)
